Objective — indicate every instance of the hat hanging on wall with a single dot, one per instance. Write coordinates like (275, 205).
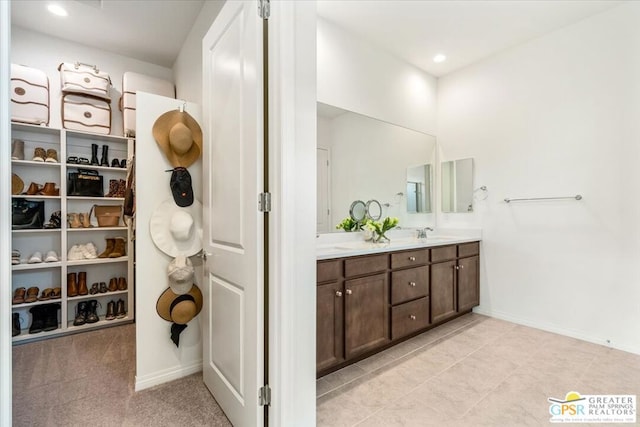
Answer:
(180, 273)
(179, 309)
(181, 188)
(175, 230)
(179, 137)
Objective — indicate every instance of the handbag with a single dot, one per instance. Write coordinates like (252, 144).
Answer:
(27, 214)
(107, 215)
(86, 183)
(84, 79)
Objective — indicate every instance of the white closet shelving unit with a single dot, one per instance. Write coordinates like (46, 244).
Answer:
(51, 275)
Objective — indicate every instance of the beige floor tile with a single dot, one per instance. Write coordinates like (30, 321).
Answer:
(406, 413)
(343, 376)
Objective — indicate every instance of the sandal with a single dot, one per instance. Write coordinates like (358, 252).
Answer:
(32, 294)
(55, 293)
(46, 294)
(18, 296)
(73, 160)
(83, 161)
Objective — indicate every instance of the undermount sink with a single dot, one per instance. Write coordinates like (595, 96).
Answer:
(364, 245)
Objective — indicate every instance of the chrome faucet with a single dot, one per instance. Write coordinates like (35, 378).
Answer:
(422, 232)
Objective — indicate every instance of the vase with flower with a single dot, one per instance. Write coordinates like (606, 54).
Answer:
(379, 228)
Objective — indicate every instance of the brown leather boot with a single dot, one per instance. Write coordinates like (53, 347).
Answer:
(120, 312)
(111, 308)
(82, 283)
(84, 220)
(114, 185)
(33, 189)
(73, 219)
(113, 284)
(119, 248)
(122, 284)
(72, 286)
(49, 189)
(111, 243)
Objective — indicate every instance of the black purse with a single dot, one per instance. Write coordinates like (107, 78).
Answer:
(86, 183)
(27, 214)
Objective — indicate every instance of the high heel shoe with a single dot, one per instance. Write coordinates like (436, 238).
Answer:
(74, 220)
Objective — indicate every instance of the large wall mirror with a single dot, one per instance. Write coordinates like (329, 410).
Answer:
(361, 158)
(457, 186)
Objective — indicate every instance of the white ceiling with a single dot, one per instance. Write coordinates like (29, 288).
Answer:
(151, 31)
(465, 31)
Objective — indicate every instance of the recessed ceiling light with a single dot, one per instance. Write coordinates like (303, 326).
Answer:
(57, 10)
(439, 58)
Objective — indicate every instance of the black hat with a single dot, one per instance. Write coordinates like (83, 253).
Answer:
(181, 187)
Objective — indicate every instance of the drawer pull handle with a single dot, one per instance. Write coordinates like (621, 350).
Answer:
(412, 284)
(461, 267)
(412, 317)
(338, 294)
(349, 292)
(412, 258)
(457, 267)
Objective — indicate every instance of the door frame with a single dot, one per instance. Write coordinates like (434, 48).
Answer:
(292, 222)
(5, 217)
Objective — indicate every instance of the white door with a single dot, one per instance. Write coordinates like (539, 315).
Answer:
(233, 342)
(323, 207)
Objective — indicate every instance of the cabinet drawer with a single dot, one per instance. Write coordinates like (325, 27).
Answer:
(365, 265)
(409, 258)
(328, 271)
(409, 284)
(443, 253)
(409, 317)
(469, 249)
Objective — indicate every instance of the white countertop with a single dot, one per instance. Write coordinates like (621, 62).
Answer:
(340, 245)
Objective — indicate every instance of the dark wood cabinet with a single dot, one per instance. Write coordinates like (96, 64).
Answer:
(366, 314)
(443, 291)
(329, 325)
(468, 283)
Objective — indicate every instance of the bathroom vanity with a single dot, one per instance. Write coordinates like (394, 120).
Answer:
(372, 297)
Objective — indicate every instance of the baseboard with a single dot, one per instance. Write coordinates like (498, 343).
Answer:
(631, 348)
(166, 375)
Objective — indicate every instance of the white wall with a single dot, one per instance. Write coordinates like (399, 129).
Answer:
(556, 116)
(359, 77)
(46, 53)
(369, 160)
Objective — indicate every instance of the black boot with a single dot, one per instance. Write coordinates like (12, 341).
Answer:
(104, 161)
(94, 155)
(15, 325)
(37, 319)
(120, 312)
(92, 316)
(81, 314)
(50, 316)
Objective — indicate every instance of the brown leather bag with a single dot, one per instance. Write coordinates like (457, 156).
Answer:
(107, 215)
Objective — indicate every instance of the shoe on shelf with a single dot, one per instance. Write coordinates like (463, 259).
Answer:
(50, 316)
(119, 248)
(15, 257)
(82, 283)
(34, 188)
(55, 294)
(36, 258)
(51, 256)
(122, 284)
(39, 154)
(83, 161)
(72, 285)
(17, 149)
(55, 221)
(103, 288)
(75, 253)
(18, 296)
(32, 294)
(92, 315)
(120, 312)
(81, 314)
(94, 155)
(72, 160)
(113, 284)
(73, 219)
(114, 185)
(15, 325)
(104, 161)
(89, 251)
(94, 289)
(46, 294)
(49, 189)
(122, 188)
(85, 220)
(115, 163)
(37, 319)
(111, 311)
(52, 156)
(123, 163)
(111, 243)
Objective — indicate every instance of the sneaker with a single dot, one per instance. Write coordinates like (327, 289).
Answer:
(51, 256)
(36, 258)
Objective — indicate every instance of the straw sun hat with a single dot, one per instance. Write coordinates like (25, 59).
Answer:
(179, 137)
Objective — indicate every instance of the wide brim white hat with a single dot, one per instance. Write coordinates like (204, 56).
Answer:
(168, 227)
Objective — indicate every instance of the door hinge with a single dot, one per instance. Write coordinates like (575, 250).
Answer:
(264, 395)
(264, 202)
(264, 9)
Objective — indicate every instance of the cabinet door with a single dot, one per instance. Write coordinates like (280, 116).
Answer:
(329, 325)
(443, 291)
(366, 314)
(468, 283)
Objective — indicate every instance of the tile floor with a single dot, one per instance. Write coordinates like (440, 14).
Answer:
(88, 380)
(473, 371)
